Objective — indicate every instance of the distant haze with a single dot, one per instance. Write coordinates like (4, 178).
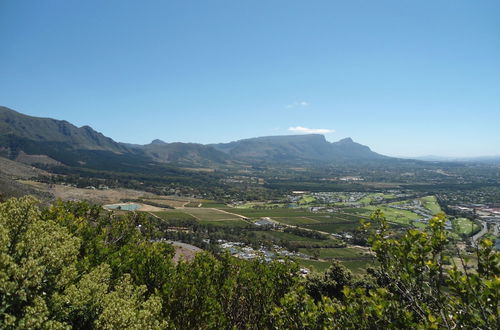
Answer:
(407, 78)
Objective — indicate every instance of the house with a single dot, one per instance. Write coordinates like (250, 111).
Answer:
(265, 222)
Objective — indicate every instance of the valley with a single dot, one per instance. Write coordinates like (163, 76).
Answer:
(297, 197)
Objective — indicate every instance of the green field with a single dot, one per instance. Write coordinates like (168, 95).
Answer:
(464, 226)
(295, 240)
(353, 258)
(431, 203)
(256, 205)
(307, 200)
(174, 215)
(334, 227)
(331, 223)
(213, 204)
(296, 221)
(403, 217)
(279, 235)
(373, 197)
(208, 214)
(227, 223)
(336, 217)
(339, 253)
(358, 266)
(249, 205)
(193, 204)
(280, 212)
(313, 265)
(201, 215)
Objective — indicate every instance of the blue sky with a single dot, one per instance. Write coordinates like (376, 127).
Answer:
(404, 77)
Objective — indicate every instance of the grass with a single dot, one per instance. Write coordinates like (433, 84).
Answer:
(331, 223)
(307, 200)
(249, 205)
(403, 217)
(279, 235)
(370, 198)
(206, 214)
(165, 202)
(174, 215)
(213, 204)
(419, 224)
(296, 221)
(299, 241)
(337, 217)
(464, 226)
(339, 253)
(314, 265)
(280, 212)
(431, 203)
(226, 223)
(354, 259)
(334, 227)
(357, 266)
(317, 266)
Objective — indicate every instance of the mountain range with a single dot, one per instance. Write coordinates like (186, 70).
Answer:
(483, 159)
(44, 140)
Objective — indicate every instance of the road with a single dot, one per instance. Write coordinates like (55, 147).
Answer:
(481, 233)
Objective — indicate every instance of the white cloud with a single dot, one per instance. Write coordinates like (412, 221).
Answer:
(297, 104)
(305, 130)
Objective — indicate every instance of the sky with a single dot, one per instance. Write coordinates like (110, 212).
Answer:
(407, 78)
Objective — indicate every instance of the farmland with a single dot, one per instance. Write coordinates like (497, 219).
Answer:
(207, 216)
(174, 215)
(339, 253)
(309, 226)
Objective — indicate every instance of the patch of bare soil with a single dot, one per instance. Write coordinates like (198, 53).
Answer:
(149, 208)
(167, 202)
(108, 196)
(184, 252)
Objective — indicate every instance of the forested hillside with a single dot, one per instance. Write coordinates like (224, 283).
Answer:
(74, 265)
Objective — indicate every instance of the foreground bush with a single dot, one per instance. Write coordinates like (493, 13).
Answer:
(73, 265)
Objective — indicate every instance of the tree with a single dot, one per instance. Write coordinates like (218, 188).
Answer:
(415, 287)
(331, 283)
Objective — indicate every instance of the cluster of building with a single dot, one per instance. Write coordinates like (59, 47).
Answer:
(243, 251)
(243, 179)
(487, 213)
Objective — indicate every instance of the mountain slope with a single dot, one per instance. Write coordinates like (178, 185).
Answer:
(310, 147)
(15, 126)
(183, 153)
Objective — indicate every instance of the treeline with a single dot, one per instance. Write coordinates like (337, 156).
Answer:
(306, 233)
(72, 265)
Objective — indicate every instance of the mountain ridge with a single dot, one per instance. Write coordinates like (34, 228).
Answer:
(301, 147)
(16, 124)
(64, 142)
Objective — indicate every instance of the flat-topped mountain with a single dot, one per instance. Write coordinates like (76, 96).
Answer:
(313, 147)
